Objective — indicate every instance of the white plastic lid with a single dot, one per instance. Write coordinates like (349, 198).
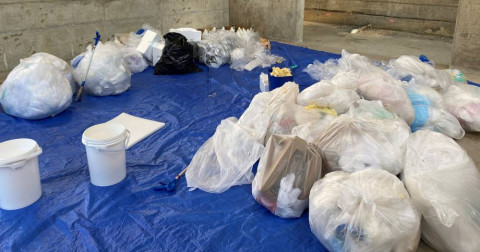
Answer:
(104, 134)
(16, 150)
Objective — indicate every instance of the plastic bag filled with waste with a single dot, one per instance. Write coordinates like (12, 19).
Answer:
(444, 185)
(430, 112)
(286, 172)
(60, 64)
(37, 88)
(368, 210)
(312, 130)
(177, 56)
(463, 102)
(363, 109)
(224, 160)
(383, 87)
(109, 73)
(215, 48)
(352, 144)
(407, 67)
(134, 59)
(327, 94)
(322, 71)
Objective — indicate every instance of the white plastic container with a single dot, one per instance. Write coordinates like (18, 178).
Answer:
(105, 144)
(19, 174)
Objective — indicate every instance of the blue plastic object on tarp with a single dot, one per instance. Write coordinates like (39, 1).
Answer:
(276, 82)
(72, 214)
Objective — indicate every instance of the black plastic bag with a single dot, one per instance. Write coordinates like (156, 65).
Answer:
(177, 56)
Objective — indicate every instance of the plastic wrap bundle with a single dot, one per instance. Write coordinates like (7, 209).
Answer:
(286, 172)
(37, 88)
(215, 48)
(463, 102)
(368, 210)
(327, 94)
(177, 56)
(407, 67)
(444, 185)
(383, 87)
(430, 112)
(322, 71)
(60, 64)
(224, 160)
(109, 73)
(353, 144)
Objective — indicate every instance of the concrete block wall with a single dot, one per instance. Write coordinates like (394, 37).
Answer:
(466, 43)
(65, 27)
(419, 16)
(273, 19)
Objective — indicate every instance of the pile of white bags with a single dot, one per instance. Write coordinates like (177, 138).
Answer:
(224, 160)
(286, 172)
(463, 102)
(368, 210)
(444, 185)
(353, 144)
(39, 87)
(109, 73)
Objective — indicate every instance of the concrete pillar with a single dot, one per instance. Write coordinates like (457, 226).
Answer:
(273, 19)
(466, 41)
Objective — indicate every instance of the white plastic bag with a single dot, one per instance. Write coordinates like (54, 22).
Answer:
(287, 170)
(423, 73)
(326, 94)
(37, 88)
(312, 131)
(368, 210)
(444, 185)
(109, 73)
(224, 160)
(352, 144)
(60, 64)
(322, 71)
(463, 102)
(383, 87)
(430, 112)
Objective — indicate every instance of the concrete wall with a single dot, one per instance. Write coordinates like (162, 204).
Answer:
(466, 43)
(65, 27)
(418, 16)
(273, 19)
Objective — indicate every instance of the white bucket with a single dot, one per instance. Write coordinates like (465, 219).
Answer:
(19, 174)
(105, 144)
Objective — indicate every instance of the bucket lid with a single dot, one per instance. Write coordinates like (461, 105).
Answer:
(104, 134)
(16, 149)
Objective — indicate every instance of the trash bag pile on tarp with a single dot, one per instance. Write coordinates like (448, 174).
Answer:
(39, 87)
(177, 56)
(444, 185)
(368, 210)
(286, 172)
(109, 73)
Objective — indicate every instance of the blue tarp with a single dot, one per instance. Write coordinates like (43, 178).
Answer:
(73, 214)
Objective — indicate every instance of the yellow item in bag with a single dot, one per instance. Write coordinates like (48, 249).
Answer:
(329, 111)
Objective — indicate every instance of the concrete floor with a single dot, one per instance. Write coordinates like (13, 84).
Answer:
(384, 45)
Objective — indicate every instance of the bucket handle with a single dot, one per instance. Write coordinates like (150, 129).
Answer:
(104, 148)
(21, 161)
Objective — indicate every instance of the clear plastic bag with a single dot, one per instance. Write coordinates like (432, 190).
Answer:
(134, 59)
(286, 172)
(381, 86)
(312, 131)
(60, 64)
(109, 73)
(215, 48)
(37, 88)
(224, 160)
(463, 102)
(444, 185)
(406, 67)
(368, 210)
(352, 144)
(326, 94)
(322, 71)
(363, 109)
(430, 112)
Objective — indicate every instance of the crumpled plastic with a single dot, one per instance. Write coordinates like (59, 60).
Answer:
(313, 130)
(286, 172)
(224, 160)
(327, 94)
(430, 112)
(37, 88)
(109, 73)
(444, 185)
(216, 46)
(353, 144)
(322, 71)
(463, 102)
(407, 67)
(368, 210)
(383, 87)
(135, 61)
(363, 109)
